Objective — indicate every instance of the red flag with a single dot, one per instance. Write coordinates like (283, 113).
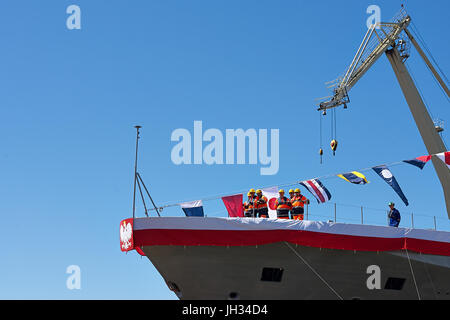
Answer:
(234, 205)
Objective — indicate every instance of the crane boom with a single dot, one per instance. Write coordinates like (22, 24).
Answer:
(370, 50)
(388, 41)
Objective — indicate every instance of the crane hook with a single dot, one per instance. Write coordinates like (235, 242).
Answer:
(333, 145)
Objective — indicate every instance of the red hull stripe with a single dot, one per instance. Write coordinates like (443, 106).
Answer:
(192, 237)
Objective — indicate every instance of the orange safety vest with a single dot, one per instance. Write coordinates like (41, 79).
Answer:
(248, 205)
(283, 203)
(261, 205)
(299, 201)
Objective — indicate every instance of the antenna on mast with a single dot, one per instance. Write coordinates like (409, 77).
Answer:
(135, 169)
(138, 181)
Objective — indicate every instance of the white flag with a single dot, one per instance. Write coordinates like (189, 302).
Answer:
(272, 195)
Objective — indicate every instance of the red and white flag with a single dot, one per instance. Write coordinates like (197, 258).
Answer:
(445, 156)
(272, 195)
(317, 189)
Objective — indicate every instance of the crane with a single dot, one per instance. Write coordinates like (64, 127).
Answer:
(389, 38)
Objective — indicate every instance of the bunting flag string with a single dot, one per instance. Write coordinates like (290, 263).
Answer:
(314, 186)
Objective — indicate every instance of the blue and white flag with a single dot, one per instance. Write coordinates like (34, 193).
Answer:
(317, 189)
(387, 176)
(193, 208)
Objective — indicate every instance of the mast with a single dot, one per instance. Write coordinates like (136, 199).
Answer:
(135, 170)
(424, 123)
(138, 181)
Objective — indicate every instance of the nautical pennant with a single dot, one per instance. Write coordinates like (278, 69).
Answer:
(387, 176)
(193, 208)
(444, 156)
(419, 162)
(354, 177)
(317, 190)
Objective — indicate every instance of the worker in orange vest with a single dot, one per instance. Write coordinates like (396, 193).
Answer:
(283, 206)
(298, 204)
(252, 193)
(249, 209)
(261, 205)
(291, 195)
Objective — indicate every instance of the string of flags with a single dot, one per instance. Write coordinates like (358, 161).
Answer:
(233, 203)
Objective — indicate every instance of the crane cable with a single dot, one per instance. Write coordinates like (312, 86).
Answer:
(422, 41)
(333, 143)
(418, 36)
(422, 96)
(320, 137)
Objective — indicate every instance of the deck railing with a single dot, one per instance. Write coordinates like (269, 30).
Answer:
(357, 214)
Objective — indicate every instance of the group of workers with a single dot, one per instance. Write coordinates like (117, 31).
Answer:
(256, 205)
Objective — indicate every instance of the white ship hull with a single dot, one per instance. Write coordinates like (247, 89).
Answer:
(192, 256)
(212, 272)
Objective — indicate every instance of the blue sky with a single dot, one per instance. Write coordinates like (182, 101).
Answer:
(70, 99)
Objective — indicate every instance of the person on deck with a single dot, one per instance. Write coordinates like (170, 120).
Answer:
(283, 206)
(394, 216)
(249, 209)
(261, 205)
(298, 204)
(291, 195)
